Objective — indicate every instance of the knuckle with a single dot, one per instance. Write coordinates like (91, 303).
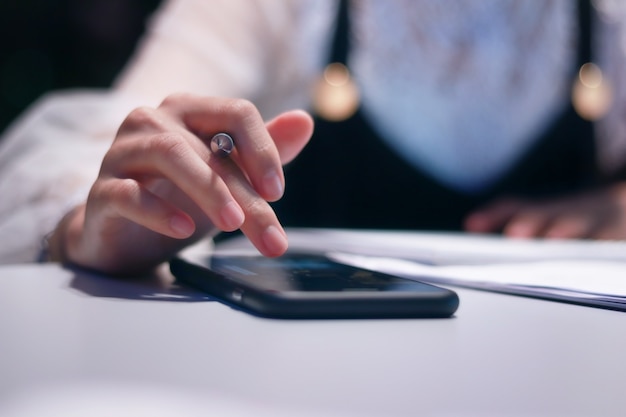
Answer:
(97, 192)
(120, 190)
(265, 148)
(175, 99)
(169, 145)
(112, 193)
(241, 107)
(124, 189)
(249, 117)
(113, 158)
(141, 118)
(256, 208)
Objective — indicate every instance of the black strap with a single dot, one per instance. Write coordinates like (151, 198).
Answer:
(585, 27)
(341, 38)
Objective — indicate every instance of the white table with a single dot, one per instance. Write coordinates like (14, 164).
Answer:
(71, 340)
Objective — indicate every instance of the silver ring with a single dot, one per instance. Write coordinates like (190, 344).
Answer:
(222, 144)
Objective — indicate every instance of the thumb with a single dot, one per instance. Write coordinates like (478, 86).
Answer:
(291, 132)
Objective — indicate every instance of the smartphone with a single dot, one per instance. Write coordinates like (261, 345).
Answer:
(311, 286)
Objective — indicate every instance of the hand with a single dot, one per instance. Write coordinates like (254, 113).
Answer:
(598, 214)
(160, 188)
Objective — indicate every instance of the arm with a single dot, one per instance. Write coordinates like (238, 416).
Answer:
(596, 214)
(61, 133)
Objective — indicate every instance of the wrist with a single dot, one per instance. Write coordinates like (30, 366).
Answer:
(58, 242)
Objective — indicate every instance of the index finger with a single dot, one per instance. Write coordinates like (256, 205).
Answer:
(256, 152)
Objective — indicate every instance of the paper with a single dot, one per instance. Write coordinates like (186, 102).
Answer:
(452, 248)
(579, 271)
(596, 283)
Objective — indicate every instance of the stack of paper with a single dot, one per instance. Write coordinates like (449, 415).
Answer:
(587, 282)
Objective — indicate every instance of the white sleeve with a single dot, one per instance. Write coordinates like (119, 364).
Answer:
(228, 48)
(49, 158)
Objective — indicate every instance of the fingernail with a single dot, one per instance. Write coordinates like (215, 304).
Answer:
(275, 241)
(182, 225)
(273, 186)
(232, 216)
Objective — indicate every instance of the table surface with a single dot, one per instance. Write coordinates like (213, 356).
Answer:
(74, 339)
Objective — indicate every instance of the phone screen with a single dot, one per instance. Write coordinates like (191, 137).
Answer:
(308, 273)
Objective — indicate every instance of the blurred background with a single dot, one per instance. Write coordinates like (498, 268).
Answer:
(55, 44)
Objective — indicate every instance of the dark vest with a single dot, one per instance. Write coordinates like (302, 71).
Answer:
(348, 177)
